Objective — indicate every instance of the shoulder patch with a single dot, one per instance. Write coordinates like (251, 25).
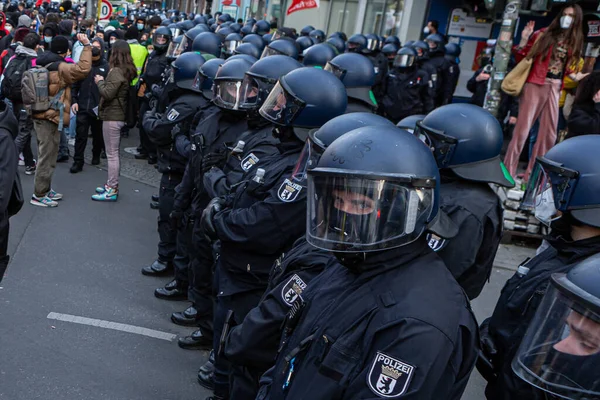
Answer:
(249, 161)
(388, 376)
(292, 290)
(172, 115)
(288, 191)
(376, 69)
(435, 242)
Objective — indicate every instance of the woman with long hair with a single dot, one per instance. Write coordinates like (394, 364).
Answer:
(585, 117)
(112, 111)
(552, 50)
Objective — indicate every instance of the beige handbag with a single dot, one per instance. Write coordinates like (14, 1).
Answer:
(514, 81)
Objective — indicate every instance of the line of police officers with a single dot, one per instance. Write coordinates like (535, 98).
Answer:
(328, 253)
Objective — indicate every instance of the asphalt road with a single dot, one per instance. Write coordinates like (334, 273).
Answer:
(83, 259)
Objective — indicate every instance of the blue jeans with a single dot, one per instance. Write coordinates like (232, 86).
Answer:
(72, 125)
(63, 147)
(533, 134)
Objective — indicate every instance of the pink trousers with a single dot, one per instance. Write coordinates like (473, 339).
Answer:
(536, 101)
(111, 130)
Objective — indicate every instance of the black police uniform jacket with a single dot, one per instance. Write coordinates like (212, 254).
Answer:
(254, 343)
(160, 130)
(442, 79)
(154, 72)
(476, 210)
(502, 333)
(259, 144)
(380, 65)
(262, 221)
(406, 93)
(216, 129)
(395, 325)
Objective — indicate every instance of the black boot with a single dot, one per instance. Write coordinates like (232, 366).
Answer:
(154, 205)
(76, 167)
(196, 341)
(155, 197)
(96, 159)
(172, 291)
(158, 268)
(152, 159)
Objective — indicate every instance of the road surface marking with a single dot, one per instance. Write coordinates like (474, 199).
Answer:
(99, 323)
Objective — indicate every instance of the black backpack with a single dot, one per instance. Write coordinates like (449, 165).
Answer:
(13, 75)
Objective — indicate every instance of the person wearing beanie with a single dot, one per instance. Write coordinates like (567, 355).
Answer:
(138, 52)
(49, 32)
(9, 49)
(48, 123)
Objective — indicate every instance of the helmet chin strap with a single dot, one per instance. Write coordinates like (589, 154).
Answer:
(351, 260)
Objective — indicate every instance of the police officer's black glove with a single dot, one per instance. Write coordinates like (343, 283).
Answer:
(175, 219)
(487, 342)
(208, 214)
(487, 354)
(156, 90)
(215, 159)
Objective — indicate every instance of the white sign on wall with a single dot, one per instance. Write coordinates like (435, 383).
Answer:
(463, 25)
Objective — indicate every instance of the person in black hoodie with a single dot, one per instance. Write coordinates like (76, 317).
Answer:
(8, 173)
(49, 31)
(585, 116)
(86, 98)
(65, 28)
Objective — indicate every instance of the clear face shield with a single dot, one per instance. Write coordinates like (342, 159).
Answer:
(441, 145)
(230, 45)
(174, 50)
(372, 44)
(175, 32)
(404, 61)
(339, 72)
(254, 91)
(350, 214)
(227, 94)
(560, 353)
(270, 52)
(185, 43)
(308, 159)
(281, 107)
(549, 190)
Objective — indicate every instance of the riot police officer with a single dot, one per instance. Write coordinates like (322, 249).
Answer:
(210, 43)
(249, 49)
(561, 349)
(263, 217)
(153, 75)
(338, 43)
(284, 47)
(453, 51)
(380, 64)
(443, 81)
(356, 43)
(387, 318)
(562, 191)
(171, 164)
(317, 35)
(466, 141)
(356, 73)
(406, 88)
(318, 55)
(422, 50)
(232, 41)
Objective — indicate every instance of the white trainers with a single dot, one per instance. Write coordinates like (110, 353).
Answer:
(53, 195)
(42, 201)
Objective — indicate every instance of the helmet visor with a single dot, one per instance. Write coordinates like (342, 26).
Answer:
(281, 107)
(309, 157)
(250, 93)
(230, 46)
(185, 43)
(228, 94)
(175, 32)
(372, 44)
(339, 72)
(441, 145)
(174, 50)
(350, 214)
(560, 352)
(404, 61)
(268, 51)
(549, 179)
(160, 39)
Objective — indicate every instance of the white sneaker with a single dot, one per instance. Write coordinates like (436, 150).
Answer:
(42, 201)
(72, 142)
(21, 160)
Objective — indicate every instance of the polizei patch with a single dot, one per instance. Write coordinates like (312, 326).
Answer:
(249, 161)
(435, 242)
(288, 191)
(172, 115)
(292, 289)
(389, 377)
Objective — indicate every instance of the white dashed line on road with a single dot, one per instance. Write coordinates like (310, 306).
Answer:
(99, 323)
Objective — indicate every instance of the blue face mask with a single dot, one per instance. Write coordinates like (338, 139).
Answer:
(47, 39)
(140, 27)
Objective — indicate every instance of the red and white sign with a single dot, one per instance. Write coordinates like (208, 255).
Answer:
(231, 3)
(298, 5)
(106, 9)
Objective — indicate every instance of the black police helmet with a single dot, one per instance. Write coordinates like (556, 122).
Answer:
(256, 40)
(261, 27)
(187, 25)
(307, 30)
(318, 35)
(282, 47)
(435, 41)
(232, 41)
(452, 49)
(208, 43)
(405, 58)
(235, 27)
(246, 57)
(199, 19)
(318, 55)
(409, 43)
(246, 30)
(250, 21)
(312, 97)
(189, 37)
(393, 40)
(410, 123)
(249, 49)
(357, 43)
(303, 43)
(390, 50)
(466, 139)
(268, 37)
(223, 32)
(165, 33)
(337, 43)
(372, 43)
(225, 18)
(227, 84)
(340, 35)
(205, 76)
(211, 21)
(421, 47)
(263, 75)
(165, 22)
(185, 69)
(213, 27)
(357, 74)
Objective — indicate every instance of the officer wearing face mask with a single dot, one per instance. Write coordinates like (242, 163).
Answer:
(152, 74)
(253, 344)
(563, 191)
(466, 141)
(560, 352)
(380, 63)
(264, 216)
(386, 319)
(406, 88)
(443, 78)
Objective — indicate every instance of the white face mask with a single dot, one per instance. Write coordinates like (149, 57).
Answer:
(566, 21)
(545, 210)
(426, 30)
(8, 28)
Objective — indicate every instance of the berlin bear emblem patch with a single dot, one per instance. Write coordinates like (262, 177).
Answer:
(172, 115)
(435, 242)
(288, 191)
(249, 161)
(292, 290)
(389, 377)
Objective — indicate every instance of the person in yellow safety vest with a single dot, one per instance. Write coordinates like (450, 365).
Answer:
(138, 52)
(567, 95)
